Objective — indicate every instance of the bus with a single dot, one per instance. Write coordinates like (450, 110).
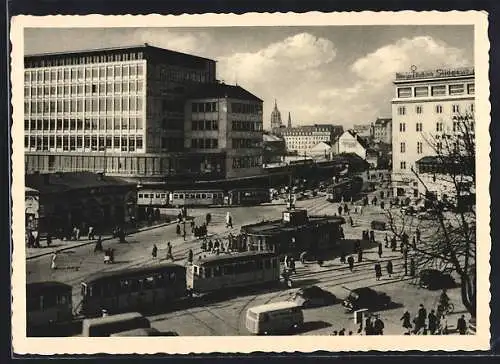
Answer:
(231, 271)
(47, 303)
(135, 289)
(181, 198)
(249, 196)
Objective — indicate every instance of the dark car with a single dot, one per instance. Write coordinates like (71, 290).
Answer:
(435, 279)
(313, 296)
(366, 297)
(378, 225)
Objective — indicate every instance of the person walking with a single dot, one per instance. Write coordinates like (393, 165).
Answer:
(178, 229)
(421, 316)
(91, 235)
(53, 264)
(389, 268)
(340, 210)
(154, 252)
(302, 257)
(351, 221)
(190, 256)
(360, 255)
(378, 326)
(380, 250)
(462, 325)
(378, 271)
(414, 243)
(342, 257)
(406, 322)
(49, 239)
(184, 232)
(369, 326)
(372, 236)
(386, 240)
(393, 243)
(417, 233)
(350, 261)
(443, 325)
(98, 245)
(433, 322)
(169, 251)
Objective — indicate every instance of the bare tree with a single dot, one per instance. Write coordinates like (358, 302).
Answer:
(448, 241)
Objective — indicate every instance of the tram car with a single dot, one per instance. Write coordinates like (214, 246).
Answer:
(134, 289)
(181, 198)
(249, 196)
(345, 190)
(154, 198)
(47, 303)
(231, 271)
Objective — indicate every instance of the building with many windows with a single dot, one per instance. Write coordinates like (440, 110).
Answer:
(382, 131)
(303, 138)
(224, 131)
(117, 110)
(425, 106)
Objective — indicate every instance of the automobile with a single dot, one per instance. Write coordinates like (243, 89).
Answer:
(313, 296)
(434, 279)
(366, 297)
(378, 225)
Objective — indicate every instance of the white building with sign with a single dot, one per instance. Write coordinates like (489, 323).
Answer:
(424, 106)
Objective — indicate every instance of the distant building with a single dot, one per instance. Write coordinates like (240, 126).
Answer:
(301, 139)
(351, 142)
(382, 130)
(424, 107)
(275, 117)
(274, 149)
(321, 150)
(364, 130)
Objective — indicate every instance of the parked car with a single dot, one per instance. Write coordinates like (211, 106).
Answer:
(313, 296)
(366, 297)
(378, 225)
(434, 279)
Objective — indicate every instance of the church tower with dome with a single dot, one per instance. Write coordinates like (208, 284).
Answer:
(275, 117)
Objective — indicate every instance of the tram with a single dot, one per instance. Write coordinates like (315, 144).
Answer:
(345, 190)
(154, 198)
(47, 303)
(231, 271)
(180, 198)
(134, 289)
(249, 196)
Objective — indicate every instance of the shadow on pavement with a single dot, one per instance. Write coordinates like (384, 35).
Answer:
(304, 282)
(313, 325)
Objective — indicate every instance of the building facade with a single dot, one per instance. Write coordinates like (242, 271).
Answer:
(301, 139)
(224, 131)
(364, 130)
(382, 130)
(423, 109)
(351, 142)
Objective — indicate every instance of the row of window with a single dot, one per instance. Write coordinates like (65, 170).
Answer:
(104, 88)
(238, 143)
(181, 75)
(80, 142)
(204, 125)
(246, 125)
(241, 108)
(80, 105)
(87, 124)
(35, 303)
(247, 162)
(438, 90)
(83, 73)
(457, 126)
(204, 107)
(238, 268)
(204, 143)
(198, 196)
(438, 109)
(48, 61)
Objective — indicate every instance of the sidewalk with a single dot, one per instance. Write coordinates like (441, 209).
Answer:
(61, 245)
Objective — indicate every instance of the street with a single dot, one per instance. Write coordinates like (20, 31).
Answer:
(226, 316)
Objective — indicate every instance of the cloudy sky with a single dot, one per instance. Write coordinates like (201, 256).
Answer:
(341, 75)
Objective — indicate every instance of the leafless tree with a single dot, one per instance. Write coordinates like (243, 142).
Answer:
(448, 241)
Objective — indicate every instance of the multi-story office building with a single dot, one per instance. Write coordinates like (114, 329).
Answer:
(425, 106)
(301, 139)
(224, 131)
(118, 111)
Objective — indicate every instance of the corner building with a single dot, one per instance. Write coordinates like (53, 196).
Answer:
(423, 109)
(119, 111)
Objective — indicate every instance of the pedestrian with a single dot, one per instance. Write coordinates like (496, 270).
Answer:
(368, 326)
(417, 233)
(210, 245)
(49, 240)
(361, 210)
(360, 255)
(342, 332)
(53, 264)
(412, 267)
(98, 245)
(380, 250)
(184, 232)
(350, 261)
(292, 265)
(340, 210)
(357, 246)
(302, 257)
(389, 268)
(77, 233)
(393, 243)
(346, 209)
(372, 236)
(382, 204)
(414, 243)
(178, 229)
(378, 271)
(433, 322)
(192, 226)
(154, 252)
(443, 325)
(169, 251)
(204, 245)
(91, 233)
(461, 325)
(406, 321)
(386, 239)
(342, 257)
(190, 256)
(37, 240)
(351, 221)
(378, 326)
(421, 316)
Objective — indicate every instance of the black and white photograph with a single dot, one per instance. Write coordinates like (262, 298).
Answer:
(216, 179)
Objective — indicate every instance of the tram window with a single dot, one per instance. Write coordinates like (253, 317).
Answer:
(208, 272)
(181, 196)
(267, 264)
(149, 283)
(198, 195)
(217, 272)
(158, 195)
(172, 276)
(163, 195)
(124, 285)
(191, 195)
(62, 300)
(203, 195)
(228, 269)
(176, 195)
(195, 270)
(49, 301)
(140, 195)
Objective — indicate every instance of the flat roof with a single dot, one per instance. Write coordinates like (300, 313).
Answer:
(275, 306)
(132, 271)
(227, 258)
(278, 226)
